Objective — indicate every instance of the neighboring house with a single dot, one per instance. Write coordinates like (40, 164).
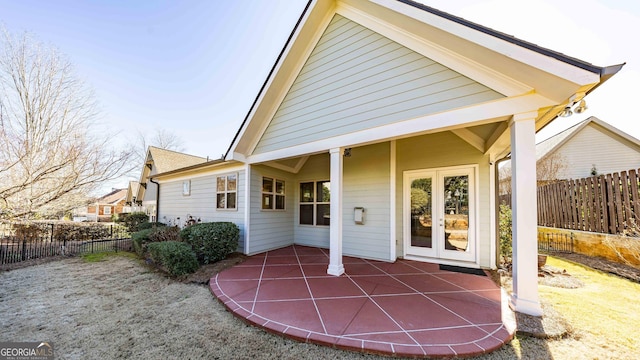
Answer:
(376, 135)
(158, 161)
(591, 146)
(103, 208)
(131, 204)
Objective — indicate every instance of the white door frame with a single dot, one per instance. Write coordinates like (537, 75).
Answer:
(437, 253)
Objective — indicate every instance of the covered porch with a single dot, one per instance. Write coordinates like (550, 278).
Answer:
(405, 308)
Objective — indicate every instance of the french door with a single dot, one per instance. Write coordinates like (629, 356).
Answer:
(440, 213)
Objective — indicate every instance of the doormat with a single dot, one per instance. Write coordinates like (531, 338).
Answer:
(464, 270)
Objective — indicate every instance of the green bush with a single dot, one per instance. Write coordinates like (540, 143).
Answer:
(133, 220)
(505, 234)
(79, 231)
(164, 233)
(140, 239)
(149, 225)
(212, 241)
(176, 257)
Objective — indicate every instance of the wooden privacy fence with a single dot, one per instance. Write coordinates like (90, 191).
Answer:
(604, 204)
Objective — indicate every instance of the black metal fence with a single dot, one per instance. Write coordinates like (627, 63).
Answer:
(47, 240)
(555, 242)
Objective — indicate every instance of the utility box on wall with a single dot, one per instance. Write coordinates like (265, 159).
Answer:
(358, 215)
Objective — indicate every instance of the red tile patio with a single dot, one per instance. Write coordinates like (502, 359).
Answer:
(406, 308)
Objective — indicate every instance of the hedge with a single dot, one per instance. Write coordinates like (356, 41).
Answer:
(176, 257)
(212, 242)
(141, 238)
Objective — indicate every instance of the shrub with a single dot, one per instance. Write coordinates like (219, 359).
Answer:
(212, 241)
(176, 257)
(140, 239)
(76, 231)
(164, 233)
(505, 234)
(133, 220)
(149, 225)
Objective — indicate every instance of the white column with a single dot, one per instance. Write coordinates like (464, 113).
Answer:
(524, 213)
(335, 228)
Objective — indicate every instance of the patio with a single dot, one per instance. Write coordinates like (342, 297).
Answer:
(406, 308)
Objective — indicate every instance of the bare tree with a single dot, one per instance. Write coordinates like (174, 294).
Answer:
(161, 138)
(548, 169)
(49, 154)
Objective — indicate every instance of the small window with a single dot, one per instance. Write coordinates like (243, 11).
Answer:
(106, 210)
(315, 203)
(226, 192)
(186, 188)
(272, 194)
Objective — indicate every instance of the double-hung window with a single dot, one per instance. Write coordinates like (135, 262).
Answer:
(315, 200)
(272, 194)
(226, 192)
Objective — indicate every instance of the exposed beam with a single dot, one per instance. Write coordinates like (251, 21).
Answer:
(471, 138)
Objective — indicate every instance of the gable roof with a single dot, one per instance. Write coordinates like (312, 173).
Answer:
(508, 61)
(132, 190)
(115, 196)
(553, 143)
(166, 160)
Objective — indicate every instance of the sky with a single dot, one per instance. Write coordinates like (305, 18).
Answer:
(195, 67)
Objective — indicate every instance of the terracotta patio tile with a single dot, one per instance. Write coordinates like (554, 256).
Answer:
(414, 312)
(282, 260)
(352, 260)
(362, 269)
(240, 272)
(408, 351)
(401, 268)
(283, 289)
(467, 349)
(298, 334)
(349, 344)
(396, 337)
(301, 314)
(474, 308)
(371, 319)
(468, 281)
(314, 259)
(333, 287)
(453, 336)
(438, 351)
(308, 250)
(241, 290)
(378, 347)
(282, 251)
(426, 283)
(252, 261)
(424, 266)
(323, 339)
(381, 284)
(338, 314)
(281, 271)
(315, 270)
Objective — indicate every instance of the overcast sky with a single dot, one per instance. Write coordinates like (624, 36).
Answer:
(195, 67)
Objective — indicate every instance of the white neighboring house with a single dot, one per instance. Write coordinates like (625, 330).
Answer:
(376, 135)
(590, 146)
(143, 197)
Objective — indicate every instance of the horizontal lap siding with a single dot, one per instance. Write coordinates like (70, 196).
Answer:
(356, 79)
(270, 229)
(366, 184)
(201, 203)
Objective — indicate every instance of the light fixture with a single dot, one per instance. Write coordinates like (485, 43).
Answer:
(582, 107)
(566, 112)
(347, 152)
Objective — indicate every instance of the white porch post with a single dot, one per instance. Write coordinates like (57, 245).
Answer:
(524, 212)
(335, 228)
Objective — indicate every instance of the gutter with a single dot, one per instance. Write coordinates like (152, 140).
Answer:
(157, 198)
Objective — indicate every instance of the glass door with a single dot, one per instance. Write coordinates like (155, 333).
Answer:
(439, 213)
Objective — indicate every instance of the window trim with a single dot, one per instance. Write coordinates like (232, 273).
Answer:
(186, 187)
(104, 208)
(273, 194)
(314, 203)
(226, 191)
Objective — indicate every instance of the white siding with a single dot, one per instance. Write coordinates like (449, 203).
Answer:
(201, 203)
(270, 229)
(594, 147)
(442, 150)
(356, 79)
(366, 184)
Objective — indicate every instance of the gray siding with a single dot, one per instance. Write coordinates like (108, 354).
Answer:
(356, 79)
(593, 147)
(366, 184)
(315, 169)
(270, 229)
(201, 203)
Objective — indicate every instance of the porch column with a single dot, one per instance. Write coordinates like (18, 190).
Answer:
(335, 228)
(524, 214)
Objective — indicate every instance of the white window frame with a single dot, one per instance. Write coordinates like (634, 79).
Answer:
(106, 210)
(186, 187)
(273, 194)
(314, 203)
(226, 192)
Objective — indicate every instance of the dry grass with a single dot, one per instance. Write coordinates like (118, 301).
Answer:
(119, 308)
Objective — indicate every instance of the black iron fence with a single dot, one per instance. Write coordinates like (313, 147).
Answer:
(555, 242)
(47, 240)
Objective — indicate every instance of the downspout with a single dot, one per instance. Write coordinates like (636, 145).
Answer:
(497, 205)
(157, 198)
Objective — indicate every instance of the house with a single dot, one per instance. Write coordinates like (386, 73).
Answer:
(131, 205)
(103, 208)
(376, 135)
(143, 197)
(588, 148)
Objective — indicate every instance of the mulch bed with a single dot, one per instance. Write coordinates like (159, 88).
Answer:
(604, 265)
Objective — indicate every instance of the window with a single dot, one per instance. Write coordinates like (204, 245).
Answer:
(186, 187)
(106, 210)
(315, 198)
(272, 194)
(226, 191)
